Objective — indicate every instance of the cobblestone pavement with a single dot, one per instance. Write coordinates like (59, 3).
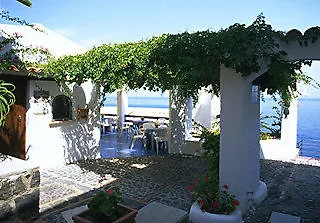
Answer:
(292, 188)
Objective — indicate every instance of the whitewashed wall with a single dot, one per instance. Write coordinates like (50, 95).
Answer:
(49, 143)
(68, 141)
(180, 113)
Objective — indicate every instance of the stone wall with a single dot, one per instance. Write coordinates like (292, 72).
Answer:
(19, 194)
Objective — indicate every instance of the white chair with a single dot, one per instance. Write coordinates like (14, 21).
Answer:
(136, 134)
(105, 123)
(122, 128)
(162, 121)
(160, 135)
(148, 125)
(140, 133)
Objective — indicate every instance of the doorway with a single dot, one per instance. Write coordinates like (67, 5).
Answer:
(13, 134)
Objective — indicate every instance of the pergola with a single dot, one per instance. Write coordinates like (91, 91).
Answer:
(240, 107)
(240, 126)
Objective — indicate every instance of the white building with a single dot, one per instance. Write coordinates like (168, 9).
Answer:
(49, 140)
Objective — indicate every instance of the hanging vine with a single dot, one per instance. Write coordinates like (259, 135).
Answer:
(188, 60)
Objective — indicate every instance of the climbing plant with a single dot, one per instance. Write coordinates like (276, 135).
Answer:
(6, 100)
(16, 57)
(189, 60)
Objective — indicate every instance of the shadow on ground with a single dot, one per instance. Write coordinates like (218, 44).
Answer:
(292, 189)
(141, 180)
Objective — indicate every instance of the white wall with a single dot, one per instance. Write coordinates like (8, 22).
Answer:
(59, 143)
(180, 114)
(70, 141)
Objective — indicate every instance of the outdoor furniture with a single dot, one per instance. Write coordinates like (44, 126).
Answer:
(139, 123)
(148, 125)
(160, 134)
(122, 128)
(105, 124)
(140, 133)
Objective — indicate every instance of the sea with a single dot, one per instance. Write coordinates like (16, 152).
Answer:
(308, 134)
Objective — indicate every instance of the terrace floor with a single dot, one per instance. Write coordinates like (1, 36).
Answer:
(111, 146)
(143, 177)
(292, 188)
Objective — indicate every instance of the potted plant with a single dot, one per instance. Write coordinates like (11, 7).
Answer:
(104, 207)
(213, 205)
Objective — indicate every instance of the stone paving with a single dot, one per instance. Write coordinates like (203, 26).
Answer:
(163, 178)
(292, 188)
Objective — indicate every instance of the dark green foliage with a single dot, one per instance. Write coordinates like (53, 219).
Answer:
(105, 203)
(25, 2)
(273, 130)
(7, 99)
(190, 61)
(211, 145)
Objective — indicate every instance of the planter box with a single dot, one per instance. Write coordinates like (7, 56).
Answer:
(196, 215)
(127, 216)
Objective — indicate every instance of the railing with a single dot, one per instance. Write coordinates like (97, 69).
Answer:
(299, 146)
(132, 118)
(109, 115)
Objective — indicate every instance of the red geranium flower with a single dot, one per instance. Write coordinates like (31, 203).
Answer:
(191, 187)
(203, 202)
(225, 186)
(196, 180)
(236, 202)
(206, 178)
(215, 204)
(110, 191)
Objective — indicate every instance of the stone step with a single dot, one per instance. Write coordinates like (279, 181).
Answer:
(156, 212)
(277, 217)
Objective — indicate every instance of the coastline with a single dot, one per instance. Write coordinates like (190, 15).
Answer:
(137, 111)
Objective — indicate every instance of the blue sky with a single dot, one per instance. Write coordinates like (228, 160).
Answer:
(96, 22)
(102, 21)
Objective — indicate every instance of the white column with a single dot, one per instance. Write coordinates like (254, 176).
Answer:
(203, 109)
(188, 115)
(239, 140)
(176, 123)
(289, 130)
(122, 106)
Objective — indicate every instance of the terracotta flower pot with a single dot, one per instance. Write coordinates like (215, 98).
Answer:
(126, 215)
(196, 215)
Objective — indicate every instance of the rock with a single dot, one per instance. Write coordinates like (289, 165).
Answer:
(5, 210)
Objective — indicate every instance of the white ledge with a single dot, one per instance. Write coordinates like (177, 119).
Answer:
(60, 123)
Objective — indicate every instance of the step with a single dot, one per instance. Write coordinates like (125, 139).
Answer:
(277, 217)
(156, 212)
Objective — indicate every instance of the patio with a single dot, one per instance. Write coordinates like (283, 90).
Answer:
(292, 188)
(166, 178)
(112, 146)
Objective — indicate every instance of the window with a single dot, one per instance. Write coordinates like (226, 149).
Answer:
(61, 108)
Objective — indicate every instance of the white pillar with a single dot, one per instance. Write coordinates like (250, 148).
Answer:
(289, 130)
(122, 106)
(176, 123)
(203, 109)
(239, 140)
(180, 115)
(188, 115)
